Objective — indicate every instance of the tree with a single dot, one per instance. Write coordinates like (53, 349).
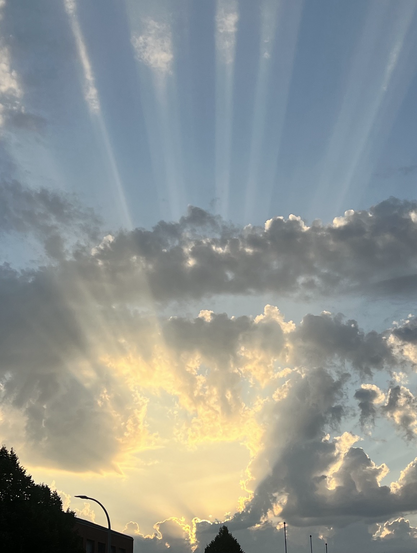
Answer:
(224, 542)
(31, 515)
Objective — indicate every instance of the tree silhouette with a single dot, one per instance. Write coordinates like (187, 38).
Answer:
(31, 515)
(224, 542)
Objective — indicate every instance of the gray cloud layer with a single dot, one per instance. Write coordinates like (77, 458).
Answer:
(68, 329)
(364, 252)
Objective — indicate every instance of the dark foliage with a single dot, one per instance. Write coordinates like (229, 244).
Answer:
(224, 542)
(31, 515)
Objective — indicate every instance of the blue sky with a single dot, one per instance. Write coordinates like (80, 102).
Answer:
(191, 195)
(312, 114)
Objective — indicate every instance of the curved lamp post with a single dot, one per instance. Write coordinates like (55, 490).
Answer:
(107, 516)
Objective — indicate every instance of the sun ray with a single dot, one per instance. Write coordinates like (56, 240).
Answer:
(366, 113)
(285, 48)
(227, 17)
(92, 98)
(278, 38)
(152, 41)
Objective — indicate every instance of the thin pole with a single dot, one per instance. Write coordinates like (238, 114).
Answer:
(107, 516)
(285, 537)
(311, 543)
(326, 546)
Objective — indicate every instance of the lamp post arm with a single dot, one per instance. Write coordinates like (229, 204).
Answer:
(104, 509)
(107, 516)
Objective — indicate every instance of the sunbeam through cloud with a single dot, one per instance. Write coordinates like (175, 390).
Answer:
(208, 276)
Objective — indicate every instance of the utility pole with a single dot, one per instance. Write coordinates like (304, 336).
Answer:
(285, 537)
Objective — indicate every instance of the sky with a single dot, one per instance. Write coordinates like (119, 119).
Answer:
(208, 278)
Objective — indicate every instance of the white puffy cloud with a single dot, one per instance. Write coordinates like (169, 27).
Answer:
(227, 17)
(397, 529)
(154, 46)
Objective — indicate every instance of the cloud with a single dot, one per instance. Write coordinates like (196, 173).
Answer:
(47, 216)
(86, 512)
(407, 332)
(323, 337)
(87, 372)
(398, 405)
(201, 256)
(13, 112)
(401, 408)
(154, 46)
(227, 17)
(397, 529)
(315, 480)
(82, 370)
(318, 481)
(76, 413)
(368, 397)
(90, 90)
(172, 534)
(10, 89)
(76, 354)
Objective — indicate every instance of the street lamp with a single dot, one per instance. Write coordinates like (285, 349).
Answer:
(108, 519)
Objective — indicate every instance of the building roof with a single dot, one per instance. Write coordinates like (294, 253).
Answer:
(90, 524)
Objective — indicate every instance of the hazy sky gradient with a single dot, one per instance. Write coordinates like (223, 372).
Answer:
(208, 221)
